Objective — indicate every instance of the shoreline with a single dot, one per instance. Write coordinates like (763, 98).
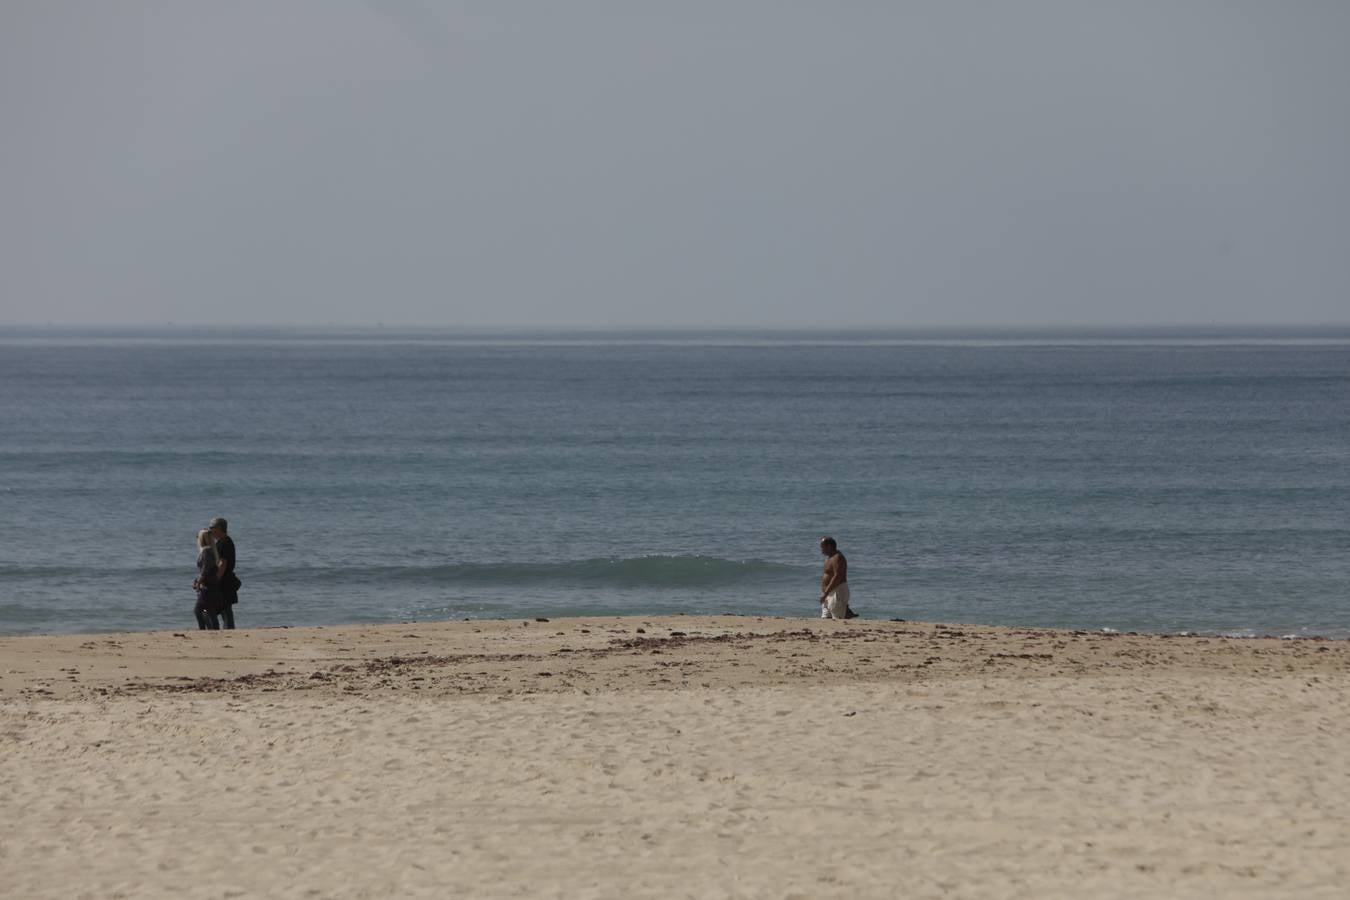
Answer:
(655, 756)
(863, 619)
(69, 664)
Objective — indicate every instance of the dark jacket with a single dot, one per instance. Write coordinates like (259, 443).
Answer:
(229, 582)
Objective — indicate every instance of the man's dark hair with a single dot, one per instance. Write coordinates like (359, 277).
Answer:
(828, 541)
(220, 523)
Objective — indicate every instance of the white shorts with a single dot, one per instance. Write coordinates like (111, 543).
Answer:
(836, 603)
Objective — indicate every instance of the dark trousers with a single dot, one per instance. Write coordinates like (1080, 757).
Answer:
(227, 601)
(206, 614)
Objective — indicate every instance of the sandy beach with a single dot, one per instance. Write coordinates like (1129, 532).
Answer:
(673, 757)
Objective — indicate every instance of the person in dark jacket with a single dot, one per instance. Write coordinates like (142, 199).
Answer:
(225, 577)
(207, 584)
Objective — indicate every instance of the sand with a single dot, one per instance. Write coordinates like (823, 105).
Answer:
(673, 757)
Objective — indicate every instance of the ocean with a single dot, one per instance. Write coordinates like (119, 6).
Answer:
(1161, 481)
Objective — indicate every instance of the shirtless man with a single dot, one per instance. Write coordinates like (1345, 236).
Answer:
(834, 583)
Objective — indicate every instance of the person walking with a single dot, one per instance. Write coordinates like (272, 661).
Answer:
(227, 581)
(207, 584)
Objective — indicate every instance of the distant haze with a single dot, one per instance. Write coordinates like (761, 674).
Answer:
(686, 164)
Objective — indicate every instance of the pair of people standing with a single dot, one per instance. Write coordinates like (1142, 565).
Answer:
(217, 586)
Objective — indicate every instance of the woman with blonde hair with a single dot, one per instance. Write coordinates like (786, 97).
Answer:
(207, 585)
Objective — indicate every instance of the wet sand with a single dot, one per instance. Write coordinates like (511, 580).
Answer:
(674, 756)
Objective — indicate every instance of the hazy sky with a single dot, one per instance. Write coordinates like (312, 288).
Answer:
(683, 163)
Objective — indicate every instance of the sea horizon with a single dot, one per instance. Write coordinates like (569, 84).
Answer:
(1273, 331)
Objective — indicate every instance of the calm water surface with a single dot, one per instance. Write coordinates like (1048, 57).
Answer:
(1162, 482)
